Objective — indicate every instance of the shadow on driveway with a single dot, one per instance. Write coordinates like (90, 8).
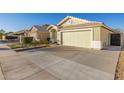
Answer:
(4, 49)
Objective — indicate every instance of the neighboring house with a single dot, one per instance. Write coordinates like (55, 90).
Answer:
(2, 37)
(21, 34)
(77, 32)
(39, 33)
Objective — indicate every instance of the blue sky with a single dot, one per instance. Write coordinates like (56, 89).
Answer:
(18, 21)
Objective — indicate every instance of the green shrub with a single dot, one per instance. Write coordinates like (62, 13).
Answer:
(44, 42)
(35, 43)
(27, 40)
(14, 46)
(48, 39)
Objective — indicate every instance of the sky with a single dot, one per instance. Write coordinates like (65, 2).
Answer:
(12, 22)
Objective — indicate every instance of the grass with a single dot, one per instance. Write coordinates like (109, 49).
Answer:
(14, 46)
(18, 45)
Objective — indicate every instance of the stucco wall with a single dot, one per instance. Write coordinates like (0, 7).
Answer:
(122, 39)
(39, 36)
(96, 38)
(33, 34)
(96, 34)
(59, 38)
(105, 36)
(43, 35)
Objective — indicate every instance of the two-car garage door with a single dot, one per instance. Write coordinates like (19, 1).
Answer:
(77, 38)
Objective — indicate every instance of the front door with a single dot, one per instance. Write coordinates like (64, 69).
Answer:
(115, 39)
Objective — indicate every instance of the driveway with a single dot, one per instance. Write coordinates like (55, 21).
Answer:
(62, 62)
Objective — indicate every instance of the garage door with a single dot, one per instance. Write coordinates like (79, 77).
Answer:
(77, 38)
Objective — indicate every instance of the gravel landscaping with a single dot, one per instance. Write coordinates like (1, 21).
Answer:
(120, 67)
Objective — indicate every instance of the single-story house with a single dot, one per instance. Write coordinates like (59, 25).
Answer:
(72, 31)
(39, 33)
(20, 34)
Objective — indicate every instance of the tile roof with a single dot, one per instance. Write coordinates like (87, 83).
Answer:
(83, 20)
(40, 28)
(81, 25)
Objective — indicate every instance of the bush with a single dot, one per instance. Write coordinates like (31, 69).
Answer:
(35, 43)
(48, 39)
(27, 40)
(44, 42)
(14, 46)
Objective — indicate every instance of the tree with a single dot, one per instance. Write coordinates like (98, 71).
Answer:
(45, 25)
(2, 31)
(118, 30)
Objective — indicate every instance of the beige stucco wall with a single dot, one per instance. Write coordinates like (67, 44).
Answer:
(43, 35)
(122, 39)
(59, 37)
(101, 37)
(96, 34)
(39, 36)
(96, 38)
(34, 34)
(105, 36)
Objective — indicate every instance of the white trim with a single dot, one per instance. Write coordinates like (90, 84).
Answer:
(80, 19)
(75, 30)
(92, 36)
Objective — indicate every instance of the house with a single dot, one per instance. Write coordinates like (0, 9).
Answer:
(39, 33)
(72, 31)
(21, 34)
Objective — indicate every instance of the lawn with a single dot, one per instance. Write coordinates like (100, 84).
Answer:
(21, 46)
(14, 46)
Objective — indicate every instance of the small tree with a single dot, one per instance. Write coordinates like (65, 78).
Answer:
(27, 40)
(1, 33)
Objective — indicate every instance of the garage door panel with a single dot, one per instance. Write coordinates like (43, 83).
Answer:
(79, 38)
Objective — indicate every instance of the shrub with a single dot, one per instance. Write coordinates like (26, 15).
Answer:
(44, 42)
(27, 40)
(14, 46)
(35, 43)
(48, 39)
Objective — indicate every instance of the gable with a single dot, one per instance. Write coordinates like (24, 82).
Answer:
(33, 29)
(71, 21)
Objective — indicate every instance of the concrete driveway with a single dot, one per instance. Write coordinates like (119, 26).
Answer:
(66, 63)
